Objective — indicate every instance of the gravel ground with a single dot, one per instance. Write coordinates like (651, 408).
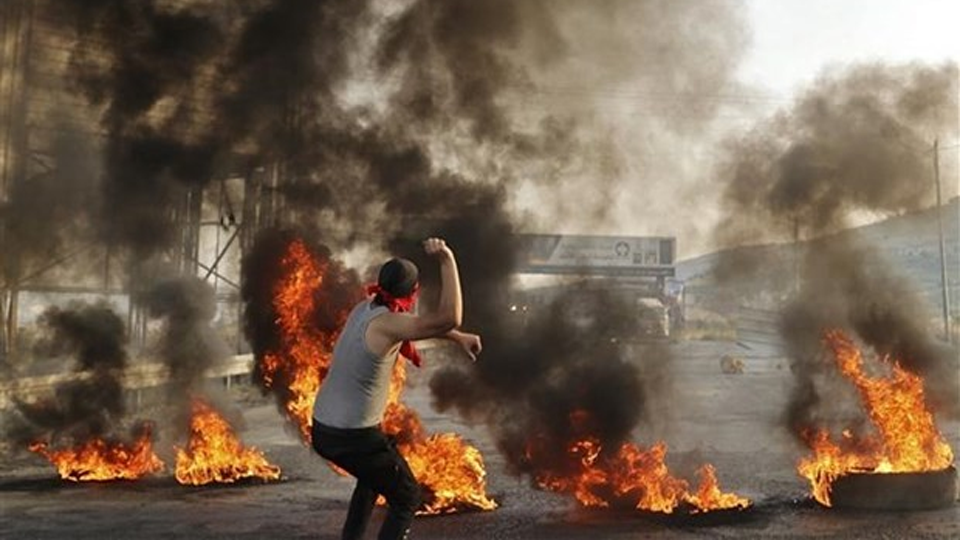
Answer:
(728, 420)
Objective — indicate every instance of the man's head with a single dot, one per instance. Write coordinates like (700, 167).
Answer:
(398, 277)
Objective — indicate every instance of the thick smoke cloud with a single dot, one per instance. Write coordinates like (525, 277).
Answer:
(453, 122)
(49, 213)
(444, 158)
(143, 67)
(857, 141)
(188, 343)
(93, 404)
(189, 91)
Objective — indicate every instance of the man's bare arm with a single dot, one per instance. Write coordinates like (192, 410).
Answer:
(393, 327)
(451, 299)
(470, 343)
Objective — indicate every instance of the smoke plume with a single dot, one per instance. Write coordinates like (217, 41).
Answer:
(376, 124)
(92, 405)
(142, 66)
(560, 377)
(445, 156)
(188, 344)
(857, 142)
(323, 94)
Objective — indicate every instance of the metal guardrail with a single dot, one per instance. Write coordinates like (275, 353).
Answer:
(135, 377)
(138, 376)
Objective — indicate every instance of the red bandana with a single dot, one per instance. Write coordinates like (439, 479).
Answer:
(402, 304)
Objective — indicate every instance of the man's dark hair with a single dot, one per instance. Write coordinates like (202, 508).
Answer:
(398, 277)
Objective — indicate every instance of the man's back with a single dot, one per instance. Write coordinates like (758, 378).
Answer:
(355, 390)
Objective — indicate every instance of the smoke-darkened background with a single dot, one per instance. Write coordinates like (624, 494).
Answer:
(174, 131)
(158, 139)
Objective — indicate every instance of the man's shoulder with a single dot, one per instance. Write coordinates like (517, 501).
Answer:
(372, 312)
(383, 319)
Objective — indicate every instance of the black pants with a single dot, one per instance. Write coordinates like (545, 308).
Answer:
(373, 460)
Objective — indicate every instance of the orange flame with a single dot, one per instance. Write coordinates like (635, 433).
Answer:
(907, 438)
(628, 476)
(633, 476)
(450, 470)
(97, 460)
(709, 496)
(307, 353)
(214, 455)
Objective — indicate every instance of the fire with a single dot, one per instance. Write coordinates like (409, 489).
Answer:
(632, 476)
(99, 460)
(214, 455)
(906, 439)
(307, 352)
(709, 496)
(450, 471)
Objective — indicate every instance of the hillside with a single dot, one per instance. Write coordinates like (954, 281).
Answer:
(908, 243)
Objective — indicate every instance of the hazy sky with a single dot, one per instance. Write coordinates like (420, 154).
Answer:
(790, 43)
(794, 39)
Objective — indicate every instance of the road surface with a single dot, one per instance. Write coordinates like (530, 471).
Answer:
(729, 420)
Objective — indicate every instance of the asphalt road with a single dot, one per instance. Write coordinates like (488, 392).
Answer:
(731, 421)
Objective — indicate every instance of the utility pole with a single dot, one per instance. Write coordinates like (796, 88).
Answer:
(15, 67)
(796, 255)
(943, 259)
(3, 327)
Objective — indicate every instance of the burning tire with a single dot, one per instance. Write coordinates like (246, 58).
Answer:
(896, 491)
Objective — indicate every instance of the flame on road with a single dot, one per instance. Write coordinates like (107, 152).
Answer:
(629, 475)
(450, 471)
(214, 454)
(99, 460)
(906, 437)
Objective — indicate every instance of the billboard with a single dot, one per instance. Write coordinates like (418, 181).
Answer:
(628, 256)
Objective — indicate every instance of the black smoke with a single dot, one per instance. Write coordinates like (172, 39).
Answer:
(142, 66)
(562, 376)
(857, 141)
(456, 126)
(92, 403)
(188, 344)
(445, 158)
(190, 91)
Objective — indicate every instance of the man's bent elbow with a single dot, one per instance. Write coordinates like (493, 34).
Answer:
(457, 321)
(448, 324)
(444, 323)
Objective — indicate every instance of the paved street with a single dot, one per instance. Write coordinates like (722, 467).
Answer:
(728, 420)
